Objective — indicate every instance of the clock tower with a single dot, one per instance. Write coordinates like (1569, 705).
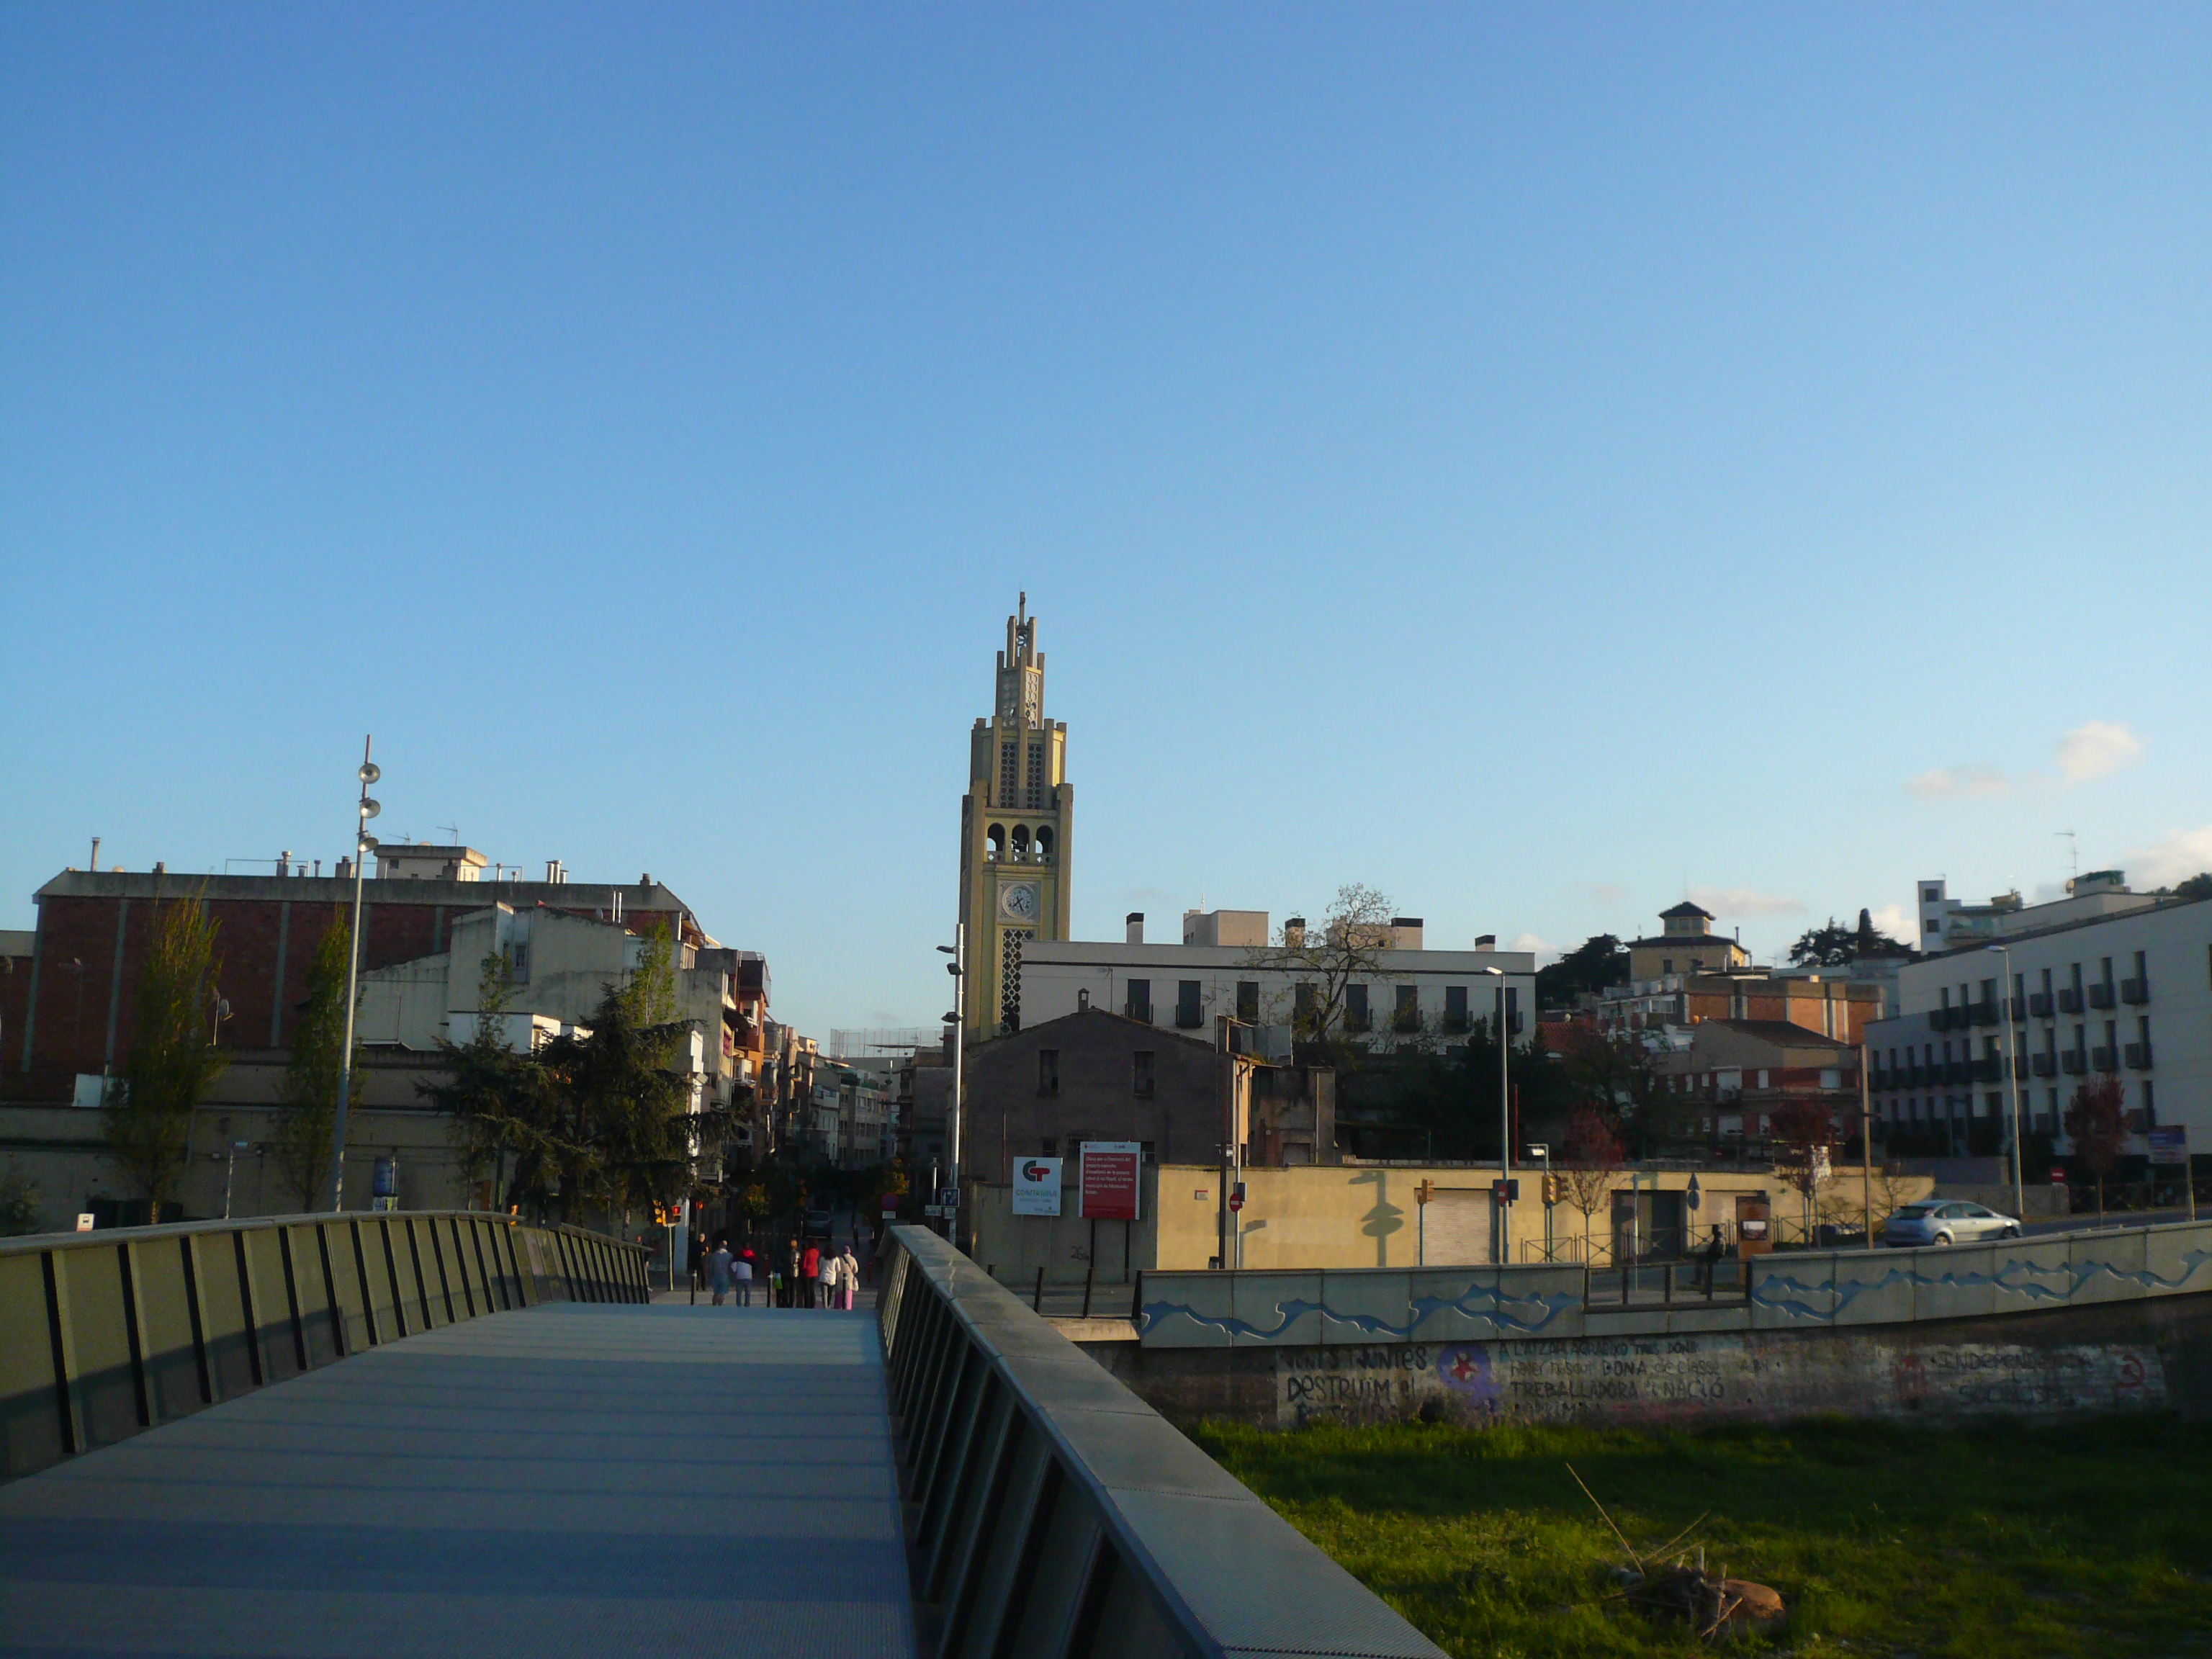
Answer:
(1014, 831)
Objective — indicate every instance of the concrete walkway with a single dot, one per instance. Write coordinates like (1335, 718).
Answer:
(573, 1479)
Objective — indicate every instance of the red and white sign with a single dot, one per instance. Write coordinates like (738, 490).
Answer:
(1110, 1169)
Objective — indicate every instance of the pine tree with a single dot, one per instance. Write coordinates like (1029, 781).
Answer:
(507, 1120)
(146, 1118)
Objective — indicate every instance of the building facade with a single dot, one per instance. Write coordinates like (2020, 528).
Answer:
(2124, 992)
(1016, 827)
(1685, 945)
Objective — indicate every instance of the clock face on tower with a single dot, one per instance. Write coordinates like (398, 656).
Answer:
(1017, 901)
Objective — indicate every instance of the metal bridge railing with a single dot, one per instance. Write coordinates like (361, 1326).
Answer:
(104, 1335)
(1052, 1512)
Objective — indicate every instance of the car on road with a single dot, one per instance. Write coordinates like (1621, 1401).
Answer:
(1945, 1221)
(815, 1224)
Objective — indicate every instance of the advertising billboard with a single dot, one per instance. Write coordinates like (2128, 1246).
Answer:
(1037, 1186)
(1110, 1179)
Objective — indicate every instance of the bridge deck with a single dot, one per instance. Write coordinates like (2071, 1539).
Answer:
(603, 1481)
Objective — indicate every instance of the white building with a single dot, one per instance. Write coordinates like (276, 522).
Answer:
(1950, 924)
(2106, 981)
(1438, 995)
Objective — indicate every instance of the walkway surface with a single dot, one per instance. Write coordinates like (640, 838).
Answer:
(572, 1479)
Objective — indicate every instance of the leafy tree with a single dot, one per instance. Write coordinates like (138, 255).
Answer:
(1598, 963)
(302, 1141)
(1592, 1164)
(2196, 887)
(1323, 963)
(2097, 1121)
(503, 1104)
(1832, 947)
(1802, 1133)
(19, 1203)
(146, 1118)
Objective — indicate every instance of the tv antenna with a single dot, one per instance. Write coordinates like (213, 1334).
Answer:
(2073, 857)
(452, 833)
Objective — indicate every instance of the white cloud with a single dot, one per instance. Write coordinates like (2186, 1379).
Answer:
(1745, 902)
(2175, 856)
(2093, 748)
(1958, 782)
(1605, 892)
(1546, 953)
(1898, 922)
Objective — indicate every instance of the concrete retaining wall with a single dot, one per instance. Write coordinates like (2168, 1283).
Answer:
(2143, 1355)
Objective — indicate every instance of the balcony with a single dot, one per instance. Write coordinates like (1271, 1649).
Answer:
(1456, 1025)
(2043, 1065)
(1984, 1013)
(1939, 1019)
(2135, 991)
(2137, 1055)
(1139, 1009)
(2103, 995)
(2073, 1062)
(1989, 1070)
(2038, 1004)
(1188, 1019)
(2070, 1001)
(2104, 1060)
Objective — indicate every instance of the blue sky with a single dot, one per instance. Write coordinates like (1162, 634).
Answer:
(1538, 461)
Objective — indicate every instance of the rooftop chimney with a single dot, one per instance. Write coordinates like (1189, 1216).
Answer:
(556, 873)
(1294, 933)
(1485, 941)
(95, 855)
(1133, 927)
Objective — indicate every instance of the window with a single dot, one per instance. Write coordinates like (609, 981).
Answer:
(1248, 1001)
(1666, 964)
(1307, 1005)
(1048, 1071)
(1049, 1147)
(1456, 1008)
(1009, 770)
(1147, 1152)
(518, 965)
(1186, 1009)
(1141, 1081)
(1406, 1015)
(2150, 1106)
(1355, 1008)
(1141, 1000)
(1035, 796)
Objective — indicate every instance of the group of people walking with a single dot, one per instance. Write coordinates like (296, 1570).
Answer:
(805, 1273)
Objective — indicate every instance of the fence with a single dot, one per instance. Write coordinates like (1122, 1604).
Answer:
(1053, 1512)
(103, 1334)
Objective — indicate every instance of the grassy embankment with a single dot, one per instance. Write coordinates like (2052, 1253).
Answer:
(2090, 1539)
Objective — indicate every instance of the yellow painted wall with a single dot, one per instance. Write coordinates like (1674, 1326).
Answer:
(1347, 1216)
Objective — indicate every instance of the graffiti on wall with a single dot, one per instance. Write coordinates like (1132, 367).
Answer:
(1709, 1378)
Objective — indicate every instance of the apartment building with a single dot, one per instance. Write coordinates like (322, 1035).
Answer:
(2122, 990)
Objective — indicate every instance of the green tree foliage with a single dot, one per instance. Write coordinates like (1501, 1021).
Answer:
(173, 1062)
(602, 1117)
(19, 1203)
(1832, 947)
(1598, 963)
(2196, 887)
(302, 1141)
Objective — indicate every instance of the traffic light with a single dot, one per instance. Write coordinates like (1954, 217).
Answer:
(1425, 1192)
(1551, 1189)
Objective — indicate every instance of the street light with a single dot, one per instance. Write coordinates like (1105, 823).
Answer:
(2010, 1072)
(957, 1019)
(1504, 1126)
(363, 844)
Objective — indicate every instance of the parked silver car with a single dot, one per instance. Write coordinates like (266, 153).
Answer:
(1945, 1221)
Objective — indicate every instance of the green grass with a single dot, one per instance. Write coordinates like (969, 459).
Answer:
(2093, 1538)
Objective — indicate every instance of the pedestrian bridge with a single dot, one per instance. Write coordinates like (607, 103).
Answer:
(415, 1435)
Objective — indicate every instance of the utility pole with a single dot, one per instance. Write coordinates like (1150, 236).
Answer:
(362, 843)
(958, 1021)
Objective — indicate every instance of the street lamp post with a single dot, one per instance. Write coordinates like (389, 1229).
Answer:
(2010, 1073)
(363, 842)
(958, 1020)
(1504, 1126)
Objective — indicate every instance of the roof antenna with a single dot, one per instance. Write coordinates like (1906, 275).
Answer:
(2073, 857)
(452, 833)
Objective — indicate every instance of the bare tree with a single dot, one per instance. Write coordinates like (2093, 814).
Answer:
(1324, 963)
(1802, 1133)
(1587, 1173)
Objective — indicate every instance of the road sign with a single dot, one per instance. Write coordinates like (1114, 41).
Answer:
(1506, 1192)
(1037, 1186)
(1111, 1176)
(1236, 1196)
(84, 1221)
(2058, 1175)
(2169, 1143)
